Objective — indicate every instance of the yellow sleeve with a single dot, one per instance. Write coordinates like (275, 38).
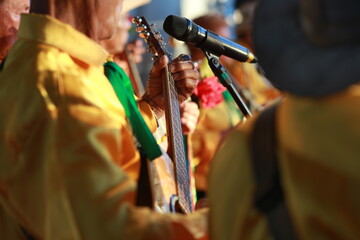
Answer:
(148, 115)
(67, 182)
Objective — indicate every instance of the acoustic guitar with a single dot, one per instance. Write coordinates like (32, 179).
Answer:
(170, 174)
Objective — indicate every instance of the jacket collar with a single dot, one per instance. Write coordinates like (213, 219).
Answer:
(48, 30)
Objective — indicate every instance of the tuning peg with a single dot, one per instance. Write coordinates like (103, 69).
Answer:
(144, 35)
(158, 35)
(156, 56)
(141, 28)
(137, 20)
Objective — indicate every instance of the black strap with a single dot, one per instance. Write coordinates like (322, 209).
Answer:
(269, 196)
(144, 196)
(2, 64)
(26, 234)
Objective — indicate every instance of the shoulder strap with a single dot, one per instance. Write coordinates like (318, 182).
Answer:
(2, 64)
(26, 234)
(269, 196)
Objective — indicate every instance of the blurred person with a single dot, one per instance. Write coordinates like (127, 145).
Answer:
(127, 55)
(65, 138)
(117, 47)
(246, 9)
(309, 51)
(10, 11)
(250, 76)
(218, 111)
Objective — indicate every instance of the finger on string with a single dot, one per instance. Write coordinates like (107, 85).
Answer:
(188, 85)
(182, 66)
(184, 94)
(159, 64)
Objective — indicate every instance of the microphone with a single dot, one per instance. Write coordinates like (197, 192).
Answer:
(185, 30)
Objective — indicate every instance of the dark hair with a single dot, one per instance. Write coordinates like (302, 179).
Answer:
(78, 13)
(239, 3)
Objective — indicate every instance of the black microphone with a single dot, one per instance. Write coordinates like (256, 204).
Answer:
(185, 30)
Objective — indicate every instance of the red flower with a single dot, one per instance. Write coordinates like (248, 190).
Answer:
(209, 91)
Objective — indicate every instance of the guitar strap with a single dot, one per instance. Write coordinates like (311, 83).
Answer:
(144, 196)
(269, 196)
(26, 234)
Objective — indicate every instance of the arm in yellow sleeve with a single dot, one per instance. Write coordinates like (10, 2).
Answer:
(148, 115)
(68, 184)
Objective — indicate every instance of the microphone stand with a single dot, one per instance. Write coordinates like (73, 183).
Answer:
(225, 80)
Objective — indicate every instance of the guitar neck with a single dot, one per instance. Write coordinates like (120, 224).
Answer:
(176, 143)
(134, 74)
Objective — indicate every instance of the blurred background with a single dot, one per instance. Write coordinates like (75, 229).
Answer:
(231, 19)
(157, 10)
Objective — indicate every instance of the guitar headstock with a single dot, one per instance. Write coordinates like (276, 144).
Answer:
(152, 37)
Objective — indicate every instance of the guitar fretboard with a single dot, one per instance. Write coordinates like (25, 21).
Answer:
(175, 138)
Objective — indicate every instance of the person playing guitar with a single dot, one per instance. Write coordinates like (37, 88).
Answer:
(127, 55)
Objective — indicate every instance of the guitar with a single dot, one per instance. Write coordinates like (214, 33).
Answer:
(133, 73)
(164, 171)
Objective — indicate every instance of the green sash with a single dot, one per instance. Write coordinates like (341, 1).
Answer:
(124, 91)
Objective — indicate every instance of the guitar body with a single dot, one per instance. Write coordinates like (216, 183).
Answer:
(157, 184)
(162, 176)
(163, 185)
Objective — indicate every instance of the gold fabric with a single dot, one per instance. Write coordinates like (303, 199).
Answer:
(213, 124)
(67, 157)
(319, 164)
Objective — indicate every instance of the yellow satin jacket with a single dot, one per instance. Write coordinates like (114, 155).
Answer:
(68, 162)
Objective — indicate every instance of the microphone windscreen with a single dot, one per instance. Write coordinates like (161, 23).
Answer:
(176, 26)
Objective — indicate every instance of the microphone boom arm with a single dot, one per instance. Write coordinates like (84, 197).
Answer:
(220, 72)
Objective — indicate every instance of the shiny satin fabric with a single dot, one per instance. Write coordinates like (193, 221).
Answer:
(319, 166)
(213, 124)
(68, 162)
